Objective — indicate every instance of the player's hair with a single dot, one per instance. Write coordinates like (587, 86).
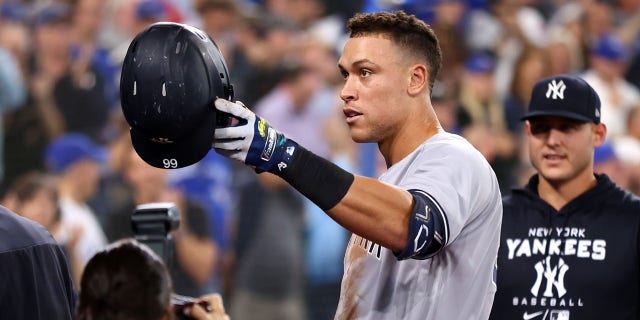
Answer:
(409, 32)
(125, 281)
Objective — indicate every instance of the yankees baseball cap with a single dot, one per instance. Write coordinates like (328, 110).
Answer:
(565, 96)
(170, 77)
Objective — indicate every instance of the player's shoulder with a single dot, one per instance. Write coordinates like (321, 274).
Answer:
(449, 140)
(452, 148)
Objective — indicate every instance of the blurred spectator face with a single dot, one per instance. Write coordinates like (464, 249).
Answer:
(559, 58)
(633, 123)
(608, 57)
(479, 76)
(597, 19)
(605, 161)
(318, 57)
(303, 87)
(482, 85)
(532, 67)
(15, 38)
(86, 173)
(76, 159)
(608, 69)
(52, 30)
(147, 12)
(34, 197)
(88, 16)
(41, 208)
(279, 41)
(124, 16)
(218, 17)
(449, 12)
(143, 176)
(301, 12)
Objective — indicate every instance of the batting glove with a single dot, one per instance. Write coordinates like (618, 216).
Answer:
(251, 140)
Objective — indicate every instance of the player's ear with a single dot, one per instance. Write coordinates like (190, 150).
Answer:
(599, 134)
(527, 128)
(418, 81)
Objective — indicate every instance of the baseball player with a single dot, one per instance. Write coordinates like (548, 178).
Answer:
(425, 234)
(570, 238)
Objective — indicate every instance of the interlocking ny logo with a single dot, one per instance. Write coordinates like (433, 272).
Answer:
(555, 90)
(554, 275)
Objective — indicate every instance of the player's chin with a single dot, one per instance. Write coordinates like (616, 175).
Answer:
(555, 175)
(359, 136)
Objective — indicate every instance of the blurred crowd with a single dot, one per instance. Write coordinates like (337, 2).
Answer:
(67, 160)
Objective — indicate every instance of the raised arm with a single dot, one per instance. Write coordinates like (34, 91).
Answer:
(375, 210)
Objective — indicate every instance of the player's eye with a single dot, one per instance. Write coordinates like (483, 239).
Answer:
(568, 127)
(539, 128)
(365, 72)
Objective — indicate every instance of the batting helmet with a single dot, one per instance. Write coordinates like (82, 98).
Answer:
(171, 75)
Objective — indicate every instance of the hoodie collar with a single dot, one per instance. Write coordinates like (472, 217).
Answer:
(603, 186)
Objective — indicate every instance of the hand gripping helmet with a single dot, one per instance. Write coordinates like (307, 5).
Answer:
(171, 75)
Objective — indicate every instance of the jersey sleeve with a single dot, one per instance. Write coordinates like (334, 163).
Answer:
(458, 178)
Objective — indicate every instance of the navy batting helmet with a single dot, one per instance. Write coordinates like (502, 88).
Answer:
(171, 75)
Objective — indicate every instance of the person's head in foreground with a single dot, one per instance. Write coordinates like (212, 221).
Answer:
(127, 280)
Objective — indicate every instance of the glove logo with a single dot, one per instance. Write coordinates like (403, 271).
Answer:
(269, 145)
(262, 127)
(281, 166)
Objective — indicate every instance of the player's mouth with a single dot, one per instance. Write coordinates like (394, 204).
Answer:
(553, 158)
(351, 115)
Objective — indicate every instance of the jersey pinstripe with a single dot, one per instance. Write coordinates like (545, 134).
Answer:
(457, 283)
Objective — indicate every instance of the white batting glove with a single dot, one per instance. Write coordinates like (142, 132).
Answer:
(251, 141)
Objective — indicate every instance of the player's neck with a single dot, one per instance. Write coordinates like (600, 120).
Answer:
(559, 193)
(399, 146)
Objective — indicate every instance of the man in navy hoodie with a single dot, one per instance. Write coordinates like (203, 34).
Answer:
(569, 247)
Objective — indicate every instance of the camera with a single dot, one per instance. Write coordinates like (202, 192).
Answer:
(152, 224)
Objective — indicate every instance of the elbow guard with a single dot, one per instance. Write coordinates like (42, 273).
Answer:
(428, 228)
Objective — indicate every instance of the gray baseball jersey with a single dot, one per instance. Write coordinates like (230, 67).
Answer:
(457, 283)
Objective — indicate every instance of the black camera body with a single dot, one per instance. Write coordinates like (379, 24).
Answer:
(152, 224)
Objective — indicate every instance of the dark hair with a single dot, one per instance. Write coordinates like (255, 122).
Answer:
(409, 32)
(28, 185)
(124, 281)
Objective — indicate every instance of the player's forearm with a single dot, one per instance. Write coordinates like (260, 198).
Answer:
(376, 211)
(373, 209)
